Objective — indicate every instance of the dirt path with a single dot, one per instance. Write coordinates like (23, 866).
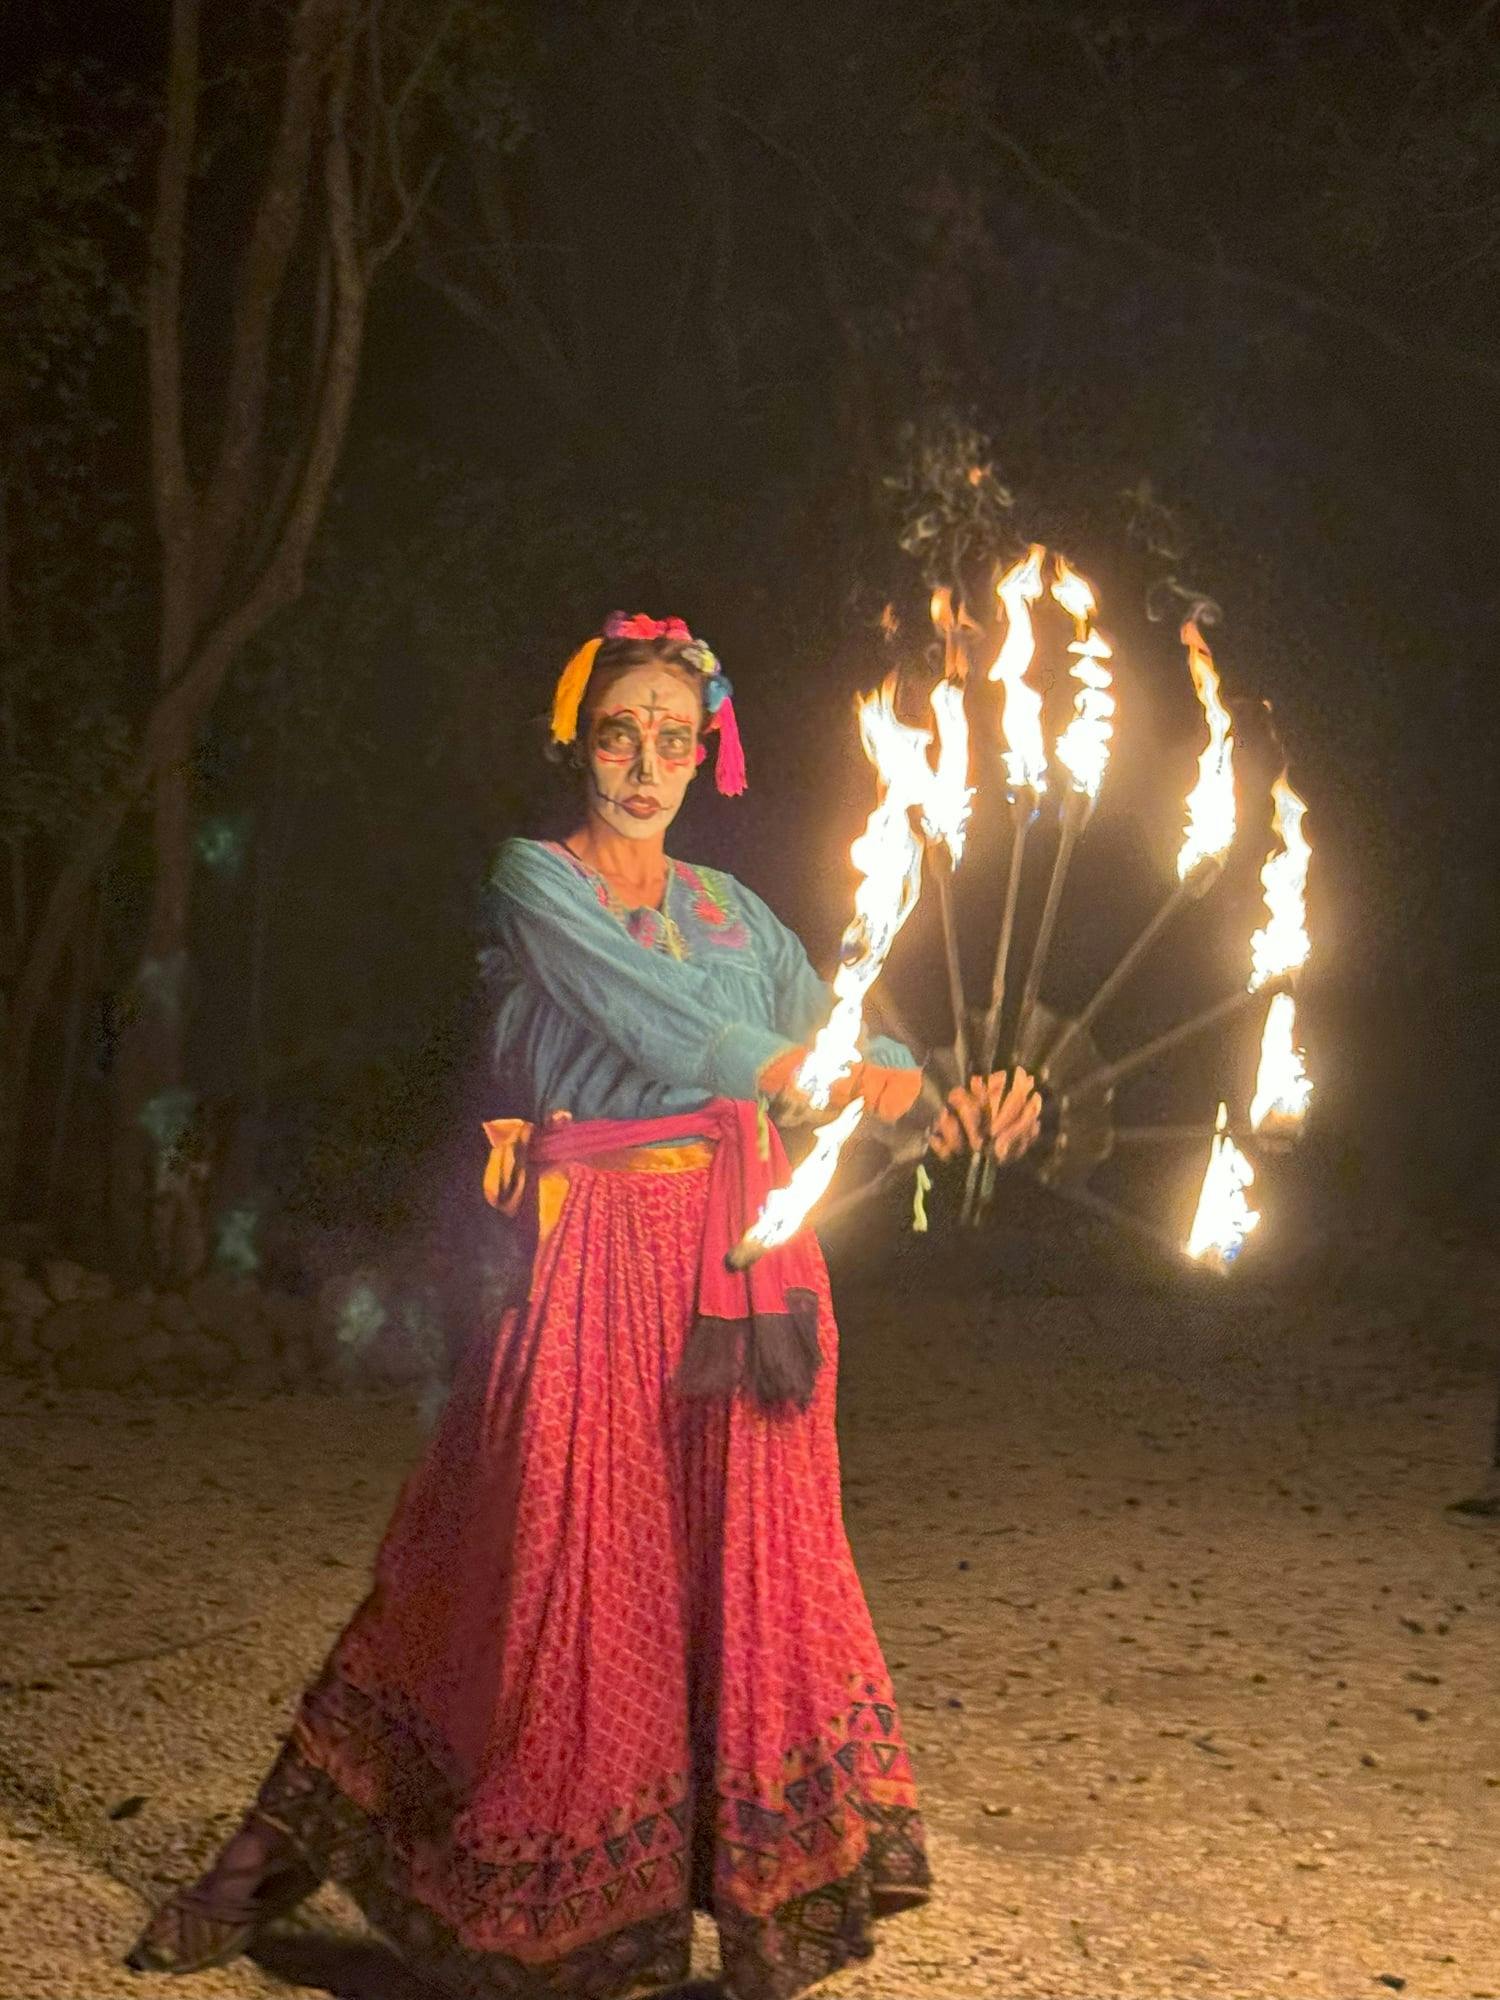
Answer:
(1201, 1679)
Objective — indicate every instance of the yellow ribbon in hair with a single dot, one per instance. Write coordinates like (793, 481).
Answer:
(568, 697)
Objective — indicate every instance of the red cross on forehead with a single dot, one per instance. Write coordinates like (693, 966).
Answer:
(653, 708)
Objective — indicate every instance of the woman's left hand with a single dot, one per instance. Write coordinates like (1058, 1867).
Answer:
(1001, 1115)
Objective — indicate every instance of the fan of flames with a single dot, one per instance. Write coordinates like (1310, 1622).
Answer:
(888, 856)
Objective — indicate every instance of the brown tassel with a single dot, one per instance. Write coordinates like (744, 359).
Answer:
(713, 1361)
(783, 1359)
(775, 1357)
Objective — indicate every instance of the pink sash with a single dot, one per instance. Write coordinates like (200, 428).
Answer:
(755, 1329)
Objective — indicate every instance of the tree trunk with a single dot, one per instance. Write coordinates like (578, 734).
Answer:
(233, 552)
(152, 1101)
(202, 533)
(85, 972)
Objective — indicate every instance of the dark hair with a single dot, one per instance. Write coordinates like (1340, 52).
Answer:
(614, 659)
(617, 657)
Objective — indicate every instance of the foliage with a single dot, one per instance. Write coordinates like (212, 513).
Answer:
(72, 606)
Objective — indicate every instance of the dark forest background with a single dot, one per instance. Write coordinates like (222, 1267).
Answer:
(356, 356)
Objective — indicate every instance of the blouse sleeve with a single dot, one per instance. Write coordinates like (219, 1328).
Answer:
(659, 1012)
(803, 1000)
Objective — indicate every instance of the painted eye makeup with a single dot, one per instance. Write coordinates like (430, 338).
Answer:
(620, 735)
(616, 733)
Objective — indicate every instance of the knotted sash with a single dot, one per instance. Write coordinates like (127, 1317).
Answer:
(755, 1330)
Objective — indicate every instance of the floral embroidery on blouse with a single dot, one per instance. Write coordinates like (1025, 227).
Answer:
(657, 930)
(712, 905)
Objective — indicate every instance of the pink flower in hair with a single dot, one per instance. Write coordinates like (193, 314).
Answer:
(618, 626)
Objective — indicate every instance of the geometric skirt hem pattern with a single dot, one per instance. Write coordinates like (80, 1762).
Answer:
(616, 1662)
(765, 1957)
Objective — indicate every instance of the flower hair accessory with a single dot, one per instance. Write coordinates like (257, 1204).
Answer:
(618, 626)
(717, 690)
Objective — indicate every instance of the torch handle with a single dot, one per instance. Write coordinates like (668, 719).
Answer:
(1075, 812)
(1176, 1135)
(749, 1251)
(1075, 815)
(1025, 810)
(1110, 1074)
(1124, 1218)
(885, 1017)
(1025, 813)
(944, 872)
(971, 1188)
(1192, 887)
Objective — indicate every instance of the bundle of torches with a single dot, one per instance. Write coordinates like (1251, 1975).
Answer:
(925, 796)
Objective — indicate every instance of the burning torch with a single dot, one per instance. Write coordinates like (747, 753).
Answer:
(888, 855)
(1207, 837)
(1083, 751)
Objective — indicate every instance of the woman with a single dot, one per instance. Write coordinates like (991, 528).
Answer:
(616, 1662)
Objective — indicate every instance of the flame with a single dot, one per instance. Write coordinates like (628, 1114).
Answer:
(888, 855)
(1083, 746)
(1282, 944)
(945, 810)
(1025, 750)
(940, 610)
(1210, 804)
(786, 1207)
(1283, 1088)
(1224, 1218)
(1073, 592)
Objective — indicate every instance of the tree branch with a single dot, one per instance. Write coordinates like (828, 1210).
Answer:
(408, 212)
(416, 73)
(516, 320)
(817, 182)
(513, 326)
(262, 276)
(1316, 304)
(172, 490)
(189, 696)
(272, 512)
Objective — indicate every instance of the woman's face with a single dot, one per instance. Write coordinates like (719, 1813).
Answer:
(642, 751)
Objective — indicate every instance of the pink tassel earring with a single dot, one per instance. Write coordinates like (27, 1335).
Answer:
(729, 765)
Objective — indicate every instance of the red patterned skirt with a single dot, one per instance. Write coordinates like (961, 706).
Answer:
(616, 1662)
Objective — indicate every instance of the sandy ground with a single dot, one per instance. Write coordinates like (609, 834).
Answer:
(1201, 1679)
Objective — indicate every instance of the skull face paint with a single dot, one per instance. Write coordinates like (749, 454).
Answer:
(642, 751)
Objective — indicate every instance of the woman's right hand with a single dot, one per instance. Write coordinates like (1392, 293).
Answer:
(776, 1083)
(888, 1093)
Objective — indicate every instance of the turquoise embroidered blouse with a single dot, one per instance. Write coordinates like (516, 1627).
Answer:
(613, 1013)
